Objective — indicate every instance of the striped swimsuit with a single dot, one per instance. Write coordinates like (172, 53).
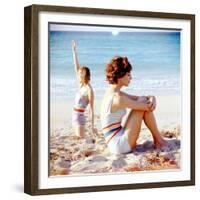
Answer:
(81, 102)
(112, 128)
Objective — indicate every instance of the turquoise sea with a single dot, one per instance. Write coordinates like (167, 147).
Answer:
(155, 57)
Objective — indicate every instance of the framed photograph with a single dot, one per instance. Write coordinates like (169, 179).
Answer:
(109, 99)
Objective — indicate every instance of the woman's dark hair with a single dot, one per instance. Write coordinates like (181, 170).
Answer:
(117, 68)
(86, 72)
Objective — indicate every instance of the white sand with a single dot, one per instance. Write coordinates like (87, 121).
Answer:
(71, 155)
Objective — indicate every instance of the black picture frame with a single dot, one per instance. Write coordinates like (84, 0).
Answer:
(31, 95)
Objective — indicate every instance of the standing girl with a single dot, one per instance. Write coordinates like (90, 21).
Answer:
(84, 97)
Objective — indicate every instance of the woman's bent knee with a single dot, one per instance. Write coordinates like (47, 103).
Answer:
(137, 112)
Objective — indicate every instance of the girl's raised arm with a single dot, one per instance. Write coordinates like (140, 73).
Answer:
(75, 58)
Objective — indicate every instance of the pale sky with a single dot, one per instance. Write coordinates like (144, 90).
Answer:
(66, 27)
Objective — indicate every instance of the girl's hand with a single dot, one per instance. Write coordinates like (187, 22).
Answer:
(74, 45)
(94, 131)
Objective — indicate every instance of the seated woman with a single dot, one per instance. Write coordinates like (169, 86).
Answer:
(122, 139)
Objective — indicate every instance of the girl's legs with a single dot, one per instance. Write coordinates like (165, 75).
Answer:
(150, 122)
(133, 126)
(80, 130)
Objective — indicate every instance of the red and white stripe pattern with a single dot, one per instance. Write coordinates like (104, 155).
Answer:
(79, 110)
(111, 130)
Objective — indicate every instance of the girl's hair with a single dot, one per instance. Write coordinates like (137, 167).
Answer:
(117, 68)
(86, 74)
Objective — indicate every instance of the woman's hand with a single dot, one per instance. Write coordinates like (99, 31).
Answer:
(149, 100)
(142, 99)
(152, 102)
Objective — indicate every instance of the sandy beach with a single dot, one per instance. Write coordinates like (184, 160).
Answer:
(70, 155)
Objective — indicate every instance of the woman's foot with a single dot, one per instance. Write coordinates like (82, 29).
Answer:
(161, 144)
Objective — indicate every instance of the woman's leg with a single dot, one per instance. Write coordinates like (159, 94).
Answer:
(150, 122)
(80, 130)
(133, 126)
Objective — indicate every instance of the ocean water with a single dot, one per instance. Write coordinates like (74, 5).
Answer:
(155, 58)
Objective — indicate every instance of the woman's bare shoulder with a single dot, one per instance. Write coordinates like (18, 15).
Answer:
(118, 96)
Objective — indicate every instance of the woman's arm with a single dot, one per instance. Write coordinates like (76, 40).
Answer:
(124, 101)
(143, 99)
(91, 106)
(133, 97)
(75, 57)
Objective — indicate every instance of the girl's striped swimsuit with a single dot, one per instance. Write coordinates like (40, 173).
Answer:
(81, 102)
